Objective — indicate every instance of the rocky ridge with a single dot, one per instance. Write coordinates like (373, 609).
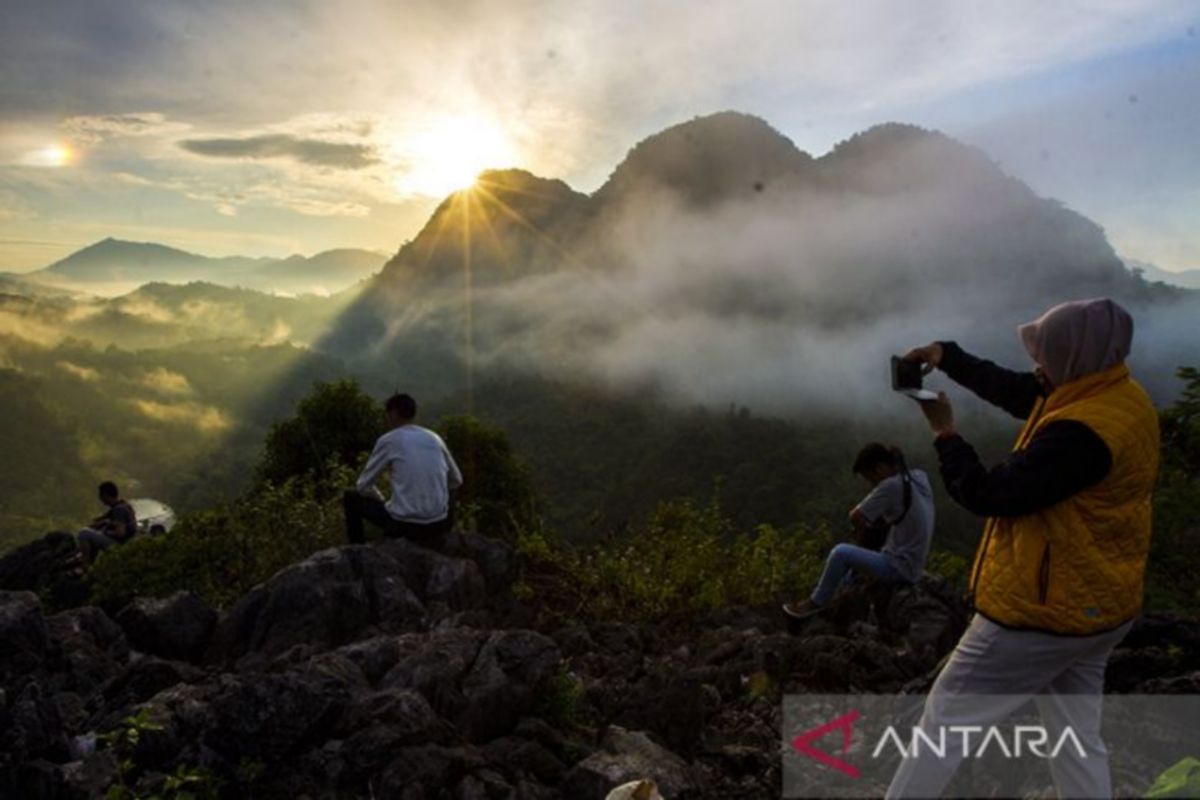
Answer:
(394, 671)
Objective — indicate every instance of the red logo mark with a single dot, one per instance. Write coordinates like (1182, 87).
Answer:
(845, 723)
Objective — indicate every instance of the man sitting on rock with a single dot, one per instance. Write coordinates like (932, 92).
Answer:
(114, 526)
(422, 474)
(901, 506)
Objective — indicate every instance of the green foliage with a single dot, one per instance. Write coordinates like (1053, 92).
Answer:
(762, 688)
(951, 566)
(1181, 427)
(560, 699)
(185, 783)
(336, 422)
(602, 459)
(1180, 780)
(683, 560)
(42, 453)
(497, 496)
(123, 741)
(1174, 566)
(220, 554)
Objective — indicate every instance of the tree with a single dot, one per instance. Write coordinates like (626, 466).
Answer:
(1181, 426)
(497, 496)
(336, 422)
(1174, 558)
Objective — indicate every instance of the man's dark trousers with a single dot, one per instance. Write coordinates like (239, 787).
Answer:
(360, 507)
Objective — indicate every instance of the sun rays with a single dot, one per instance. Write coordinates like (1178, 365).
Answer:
(473, 227)
(447, 153)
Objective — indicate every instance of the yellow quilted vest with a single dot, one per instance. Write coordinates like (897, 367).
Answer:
(1077, 566)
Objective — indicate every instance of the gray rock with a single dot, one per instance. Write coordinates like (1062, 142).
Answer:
(329, 599)
(378, 723)
(497, 561)
(628, 756)
(45, 566)
(435, 577)
(24, 637)
(500, 688)
(176, 627)
(136, 683)
(425, 771)
(373, 656)
(434, 664)
(269, 717)
(92, 647)
(525, 756)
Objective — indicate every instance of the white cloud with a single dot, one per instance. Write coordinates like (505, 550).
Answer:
(573, 84)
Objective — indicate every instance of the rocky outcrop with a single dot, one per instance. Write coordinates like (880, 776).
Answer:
(395, 671)
(628, 756)
(175, 627)
(46, 566)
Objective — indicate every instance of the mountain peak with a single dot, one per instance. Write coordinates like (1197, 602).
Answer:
(895, 156)
(708, 159)
(511, 222)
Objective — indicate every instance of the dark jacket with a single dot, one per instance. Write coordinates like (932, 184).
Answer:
(1062, 459)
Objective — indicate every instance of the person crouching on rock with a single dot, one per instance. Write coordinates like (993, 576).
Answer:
(422, 473)
(1057, 578)
(900, 506)
(115, 526)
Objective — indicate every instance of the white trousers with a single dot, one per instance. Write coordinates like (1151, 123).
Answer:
(1017, 666)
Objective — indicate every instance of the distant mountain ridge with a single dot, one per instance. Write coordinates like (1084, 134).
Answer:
(114, 266)
(1185, 279)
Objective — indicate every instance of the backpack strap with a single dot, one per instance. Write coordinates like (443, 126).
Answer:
(906, 480)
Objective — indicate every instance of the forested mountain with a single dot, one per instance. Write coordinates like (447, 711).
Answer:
(720, 231)
(114, 267)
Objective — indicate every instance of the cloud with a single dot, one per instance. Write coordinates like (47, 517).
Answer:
(86, 374)
(91, 129)
(793, 300)
(205, 419)
(165, 382)
(582, 82)
(315, 152)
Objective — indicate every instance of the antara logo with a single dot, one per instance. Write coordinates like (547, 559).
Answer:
(970, 741)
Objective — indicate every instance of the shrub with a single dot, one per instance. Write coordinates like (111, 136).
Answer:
(221, 553)
(951, 566)
(685, 559)
(497, 496)
(1174, 562)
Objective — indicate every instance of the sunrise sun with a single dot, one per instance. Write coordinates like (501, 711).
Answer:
(55, 155)
(448, 153)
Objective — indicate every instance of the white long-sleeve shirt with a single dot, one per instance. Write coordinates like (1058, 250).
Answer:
(422, 473)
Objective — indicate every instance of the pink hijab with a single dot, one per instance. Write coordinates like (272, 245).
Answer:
(1078, 338)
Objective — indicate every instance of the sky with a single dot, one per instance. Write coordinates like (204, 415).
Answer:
(286, 126)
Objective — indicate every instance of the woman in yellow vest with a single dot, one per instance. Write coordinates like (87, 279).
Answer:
(1057, 578)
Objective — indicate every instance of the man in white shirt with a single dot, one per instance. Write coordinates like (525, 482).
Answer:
(422, 474)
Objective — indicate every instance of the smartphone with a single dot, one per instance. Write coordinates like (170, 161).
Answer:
(907, 378)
